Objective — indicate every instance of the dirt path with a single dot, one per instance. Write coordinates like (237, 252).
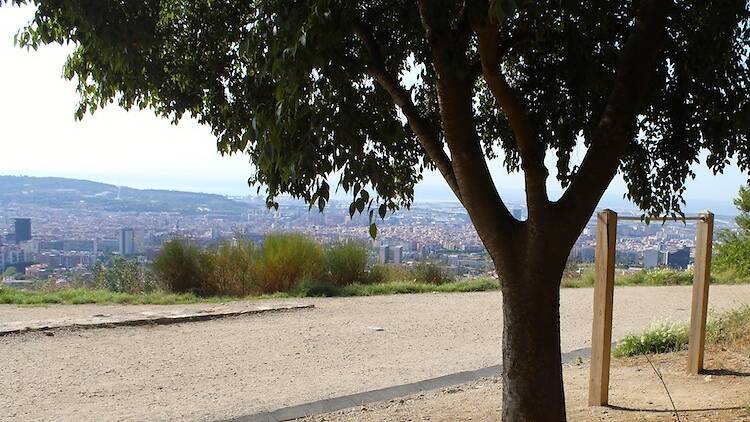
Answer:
(636, 394)
(224, 368)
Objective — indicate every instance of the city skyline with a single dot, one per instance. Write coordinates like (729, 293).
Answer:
(62, 227)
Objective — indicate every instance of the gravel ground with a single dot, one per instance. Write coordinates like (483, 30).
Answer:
(231, 367)
(636, 395)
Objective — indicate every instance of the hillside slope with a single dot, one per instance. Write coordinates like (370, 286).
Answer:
(61, 192)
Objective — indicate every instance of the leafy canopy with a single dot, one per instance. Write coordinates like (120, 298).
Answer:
(733, 251)
(742, 202)
(290, 83)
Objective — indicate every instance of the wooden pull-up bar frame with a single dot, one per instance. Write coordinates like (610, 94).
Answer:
(601, 333)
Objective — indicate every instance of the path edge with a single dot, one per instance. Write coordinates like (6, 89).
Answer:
(389, 393)
(157, 320)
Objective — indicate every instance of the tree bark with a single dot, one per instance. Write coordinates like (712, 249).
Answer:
(532, 368)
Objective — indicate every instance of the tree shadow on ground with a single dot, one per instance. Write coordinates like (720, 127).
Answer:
(724, 373)
(707, 409)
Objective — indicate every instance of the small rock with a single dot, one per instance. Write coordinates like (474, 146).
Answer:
(708, 378)
(376, 328)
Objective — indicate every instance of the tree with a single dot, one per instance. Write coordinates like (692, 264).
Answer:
(742, 202)
(10, 272)
(733, 252)
(376, 92)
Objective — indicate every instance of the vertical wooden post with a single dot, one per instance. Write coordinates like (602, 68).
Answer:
(601, 333)
(703, 248)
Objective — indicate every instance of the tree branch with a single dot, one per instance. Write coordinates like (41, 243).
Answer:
(486, 208)
(616, 127)
(427, 136)
(530, 148)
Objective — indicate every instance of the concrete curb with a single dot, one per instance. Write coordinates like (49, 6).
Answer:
(384, 394)
(132, 320)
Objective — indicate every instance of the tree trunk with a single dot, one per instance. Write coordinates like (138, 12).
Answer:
(532, 369)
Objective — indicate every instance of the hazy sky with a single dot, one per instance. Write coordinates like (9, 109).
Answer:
(39, 137)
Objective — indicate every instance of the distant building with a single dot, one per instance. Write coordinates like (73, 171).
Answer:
(582, 254)
(215, 233)
(127, 242)
(23, 230)
(650, 258)
(13, 256)
(679, 259)
(396, 254)
(383, 254)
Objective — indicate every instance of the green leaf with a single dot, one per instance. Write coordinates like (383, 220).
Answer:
(373, 231)
(360, 205)
(382, 210)
(321, 204)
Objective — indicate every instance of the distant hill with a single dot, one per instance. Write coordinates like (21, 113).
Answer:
(61, 192)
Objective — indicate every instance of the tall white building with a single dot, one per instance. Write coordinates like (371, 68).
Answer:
(383, 254)
(396, 253)
(127, 242)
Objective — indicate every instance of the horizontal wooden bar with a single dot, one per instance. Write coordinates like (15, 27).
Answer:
(657, 218)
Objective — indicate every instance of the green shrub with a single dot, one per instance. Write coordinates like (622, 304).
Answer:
(731, 327)
(232, 272)
(729, 277)
(431, 273)
(286, 259)
(426, 272)
(586, 279)
(124, 276)
(346, 263)
(377, 274)
(182, 267)
(395, 273)
(657, 277)
(661, 337)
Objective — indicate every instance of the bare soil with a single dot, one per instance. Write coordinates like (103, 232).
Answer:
(226, 368)
(636, 394)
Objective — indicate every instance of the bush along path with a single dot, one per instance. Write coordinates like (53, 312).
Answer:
(728, 328)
